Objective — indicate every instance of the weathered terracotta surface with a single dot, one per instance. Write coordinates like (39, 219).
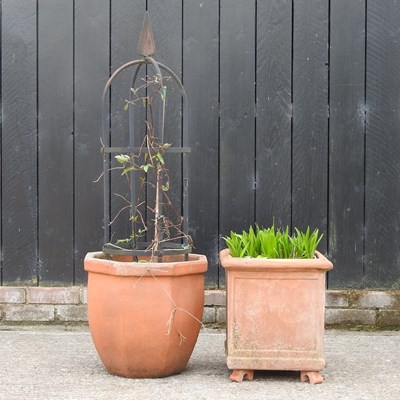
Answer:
(129, 306)
(275, 313)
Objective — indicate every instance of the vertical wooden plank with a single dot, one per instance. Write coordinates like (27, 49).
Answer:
(346, 133)
(237, 97)
(19, 164)
(55, 86)
(310, 115)
(237, 126)
(382, 196)
(126, 23)
(274, 112)
(200, 78)
(92, 25)
(1, 152)
(166, 20)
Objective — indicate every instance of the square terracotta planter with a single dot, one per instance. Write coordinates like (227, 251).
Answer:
(275, 315)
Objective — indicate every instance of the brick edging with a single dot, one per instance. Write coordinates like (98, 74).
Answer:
(43, 304)
(24, 305)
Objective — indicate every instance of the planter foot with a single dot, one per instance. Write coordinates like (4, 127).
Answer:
(238, 375)
(312, 376)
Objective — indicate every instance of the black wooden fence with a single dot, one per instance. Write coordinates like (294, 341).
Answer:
(294, 116)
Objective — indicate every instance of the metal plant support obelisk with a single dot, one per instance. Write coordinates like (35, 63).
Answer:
(146, 49)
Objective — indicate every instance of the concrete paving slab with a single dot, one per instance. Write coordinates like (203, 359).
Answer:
(54, 363)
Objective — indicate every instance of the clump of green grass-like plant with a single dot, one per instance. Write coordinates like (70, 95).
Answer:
(273, 243)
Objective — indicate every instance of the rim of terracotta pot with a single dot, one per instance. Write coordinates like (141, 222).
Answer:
(320, 262)
(99, 263)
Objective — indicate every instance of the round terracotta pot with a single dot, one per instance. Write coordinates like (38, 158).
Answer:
(144, 317)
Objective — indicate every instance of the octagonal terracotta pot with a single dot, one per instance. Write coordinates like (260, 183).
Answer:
(275, 315)
(144, 317)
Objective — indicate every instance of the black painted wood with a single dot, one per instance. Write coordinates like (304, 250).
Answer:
(18, 136)
(126, 23)
(274, 113)
(166, 20)
(237, 123)
(382, 223)
(310, 115)
(55, 87)
(92, 25)
(334, 165)
(200, 78)
(1, 152)
(346, 133)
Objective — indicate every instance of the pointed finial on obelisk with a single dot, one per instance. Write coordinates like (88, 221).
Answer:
(146, 45)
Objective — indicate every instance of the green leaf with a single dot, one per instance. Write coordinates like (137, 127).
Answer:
(160, 158)
(123, 241)
(164, 93)
(146, 167)
(128, 169)
(273, 243)
(122, 158)
(234, 243)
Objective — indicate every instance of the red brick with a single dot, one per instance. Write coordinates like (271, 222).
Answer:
(336, 298)
(209, 315)
(84, 295)
(375, 299)
(215, 298)
(349, 317)
(28, 313)
(15, 295)
(388, 318)
(221, 315)
(53, 295)
(71, 313)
